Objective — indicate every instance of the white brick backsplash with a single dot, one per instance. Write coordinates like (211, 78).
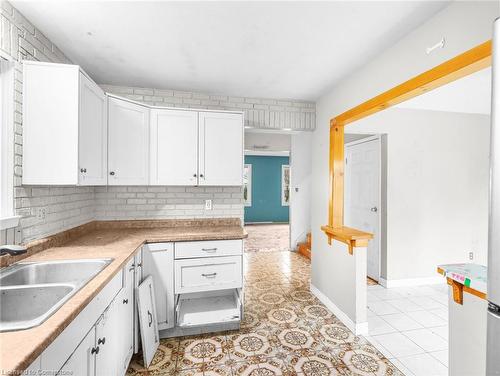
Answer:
(259, 112)
(168, 202)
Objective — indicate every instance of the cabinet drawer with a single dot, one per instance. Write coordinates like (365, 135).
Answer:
(206, 274)
(208, 248)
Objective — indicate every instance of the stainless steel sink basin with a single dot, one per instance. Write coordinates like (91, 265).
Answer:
(27, 306)
(34, 273)
(31, 292)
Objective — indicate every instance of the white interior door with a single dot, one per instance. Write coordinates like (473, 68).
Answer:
(128, 143)
(362, 195)
(221, 149)
(174, 134)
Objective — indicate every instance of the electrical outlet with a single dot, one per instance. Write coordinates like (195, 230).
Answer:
(41, 213)
(208, 204)
(471, 255)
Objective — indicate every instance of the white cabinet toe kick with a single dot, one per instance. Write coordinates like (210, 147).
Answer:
(198, 285)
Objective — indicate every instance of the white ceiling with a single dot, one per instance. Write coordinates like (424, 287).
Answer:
(294, 50)
(470, 94)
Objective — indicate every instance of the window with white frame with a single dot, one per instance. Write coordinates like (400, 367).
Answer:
(7, 217)
(285, 185)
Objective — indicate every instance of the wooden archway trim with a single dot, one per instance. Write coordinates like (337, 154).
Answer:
(460, 66)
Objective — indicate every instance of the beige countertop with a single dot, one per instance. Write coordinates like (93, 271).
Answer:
(18, 349)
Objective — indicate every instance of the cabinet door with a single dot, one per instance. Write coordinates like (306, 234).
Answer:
(137, 281)
(128, 143)
(108, 341)
(150, 338)
(93, 141)
(174, 147)
(221, 149)
(82, 361)
(159, 263)
(125, 301)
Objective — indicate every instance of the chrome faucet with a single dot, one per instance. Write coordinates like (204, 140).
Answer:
(13, 250)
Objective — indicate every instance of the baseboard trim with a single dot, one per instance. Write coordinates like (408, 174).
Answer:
(408, 282)
(356, 328)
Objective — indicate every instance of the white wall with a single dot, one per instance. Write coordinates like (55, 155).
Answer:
(464, 25)
(437, 188)
(300, 197)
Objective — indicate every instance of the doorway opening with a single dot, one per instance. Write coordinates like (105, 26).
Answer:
(276, 189)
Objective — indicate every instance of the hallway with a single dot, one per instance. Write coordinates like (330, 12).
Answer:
(267, 237)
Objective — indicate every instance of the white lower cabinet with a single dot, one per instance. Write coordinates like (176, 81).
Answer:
(159, 263)
(100, 340)
(82, 361)
(108, 347)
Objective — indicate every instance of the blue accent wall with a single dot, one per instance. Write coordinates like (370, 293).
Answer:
(266, 190)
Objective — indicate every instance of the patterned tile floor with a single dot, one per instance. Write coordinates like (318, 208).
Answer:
(286, 331)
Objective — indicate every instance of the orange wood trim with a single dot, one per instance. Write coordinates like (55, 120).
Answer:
(458, 292)
(350, 236)
(336, 207)
(460, 66)
(459, 298)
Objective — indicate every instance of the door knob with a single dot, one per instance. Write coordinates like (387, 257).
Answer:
(374, 209)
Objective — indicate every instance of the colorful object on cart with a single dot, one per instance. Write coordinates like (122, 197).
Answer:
(473, 276)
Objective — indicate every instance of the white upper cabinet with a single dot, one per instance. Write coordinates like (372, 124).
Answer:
(220, 148)
(196, 148)
(174, 147)
(128, 143)
(64, 126)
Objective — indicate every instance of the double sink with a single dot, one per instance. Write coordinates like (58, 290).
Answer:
(30, 292)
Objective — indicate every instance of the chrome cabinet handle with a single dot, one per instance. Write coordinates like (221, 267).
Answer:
(209, 250)
(195, 175)
(202, 176)
(83, 170)
(150, 316)
(112, 173)
(95, 350)
(101, 341)
(125, 301)
(210, 275)
(374, 209)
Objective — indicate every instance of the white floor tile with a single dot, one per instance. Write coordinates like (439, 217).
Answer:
(442, 331)
(370, 313)
(376, 326)
(379, 347)
(427, 340)
(398, 344)
(427, 302)
(442, 356)
(405, 305)
(441, 312)
(400, 366)
(406, 291)
(386, 294)
(427, 319)
(401, 322)
(424, 365)
(382, 308)
(371, 297)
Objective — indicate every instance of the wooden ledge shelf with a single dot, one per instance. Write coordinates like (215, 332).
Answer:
(350, 236)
